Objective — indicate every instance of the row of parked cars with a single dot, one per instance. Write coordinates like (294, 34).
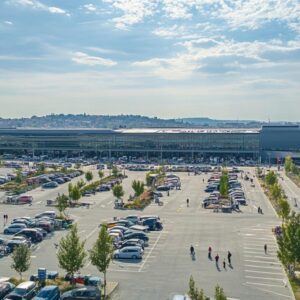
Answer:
(29, 290)
(26, 230)
(102, 188)
(54, 179)
(130, 235)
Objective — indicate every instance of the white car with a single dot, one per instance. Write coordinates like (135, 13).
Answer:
(14, 228)
(130, 252)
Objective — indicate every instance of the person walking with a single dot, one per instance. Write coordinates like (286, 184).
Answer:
(187, 202)
(224, 264)
(209, 252)
(266, 248)
(229, 257)
(217, 259)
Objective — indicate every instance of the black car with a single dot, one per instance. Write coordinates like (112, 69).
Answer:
(152, 223)
(87, 293)
(136, 235)
(5, 289)
(32, 234)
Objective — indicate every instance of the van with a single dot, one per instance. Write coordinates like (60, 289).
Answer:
(25, 290)
(25, 199)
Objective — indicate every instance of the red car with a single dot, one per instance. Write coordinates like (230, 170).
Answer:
(25, 199)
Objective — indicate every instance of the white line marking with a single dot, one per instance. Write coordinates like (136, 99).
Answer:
(271, 292)
(266, 284)
(263, 267)
(92, 232)
(263, 262)
(261, 272)
(265, 278)
(264, 257)
(145, 260)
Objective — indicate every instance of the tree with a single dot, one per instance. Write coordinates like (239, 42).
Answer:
(138, 187)
(21, 259)
(115, 171)
(219, 293)
(194, 292)
(100, 174)
(77, 166)
(276, 191)
(19, 177)
(118, 191)
(259, 171)
(80, 183)
(74, 192)
(288, 162)
(42, 167)
(284, 209)
(71, 254)
(101, 253)
(62, 203)
(271, 178)
(224, 184)
(89, 176)
(289, 241)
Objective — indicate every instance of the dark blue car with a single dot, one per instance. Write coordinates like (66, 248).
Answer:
(50, 292)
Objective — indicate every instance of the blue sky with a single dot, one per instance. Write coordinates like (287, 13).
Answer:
(228, 59)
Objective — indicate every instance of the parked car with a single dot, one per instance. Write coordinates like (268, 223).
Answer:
(25, 290)
(136, 235)
(32, 234)
(132, 242)
(132, 218)
(42, 231)
(50, 185)
(152, 224)
(103, 188)
(21, 238)
(47, 226)
(14, 228)
(5, 289)
(129, 252)
(86, 293)
(50, 292)
(49, 213)
(12, 244)
(163, 188)
(25, 199)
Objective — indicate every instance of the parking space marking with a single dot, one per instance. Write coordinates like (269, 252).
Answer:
(266, 284)
(263, 267)
(271, 292)
(262, 272)
(257, 256)
(145, 260)
(265, 278)
(92, 232)
(263, 262)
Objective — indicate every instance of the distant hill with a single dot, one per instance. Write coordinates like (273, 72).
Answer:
(120, 121)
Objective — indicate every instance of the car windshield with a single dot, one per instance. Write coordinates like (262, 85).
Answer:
(20, 291)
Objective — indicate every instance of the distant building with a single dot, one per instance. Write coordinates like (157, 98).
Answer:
(266, 143)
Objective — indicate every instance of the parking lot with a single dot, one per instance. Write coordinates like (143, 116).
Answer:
(166, 265)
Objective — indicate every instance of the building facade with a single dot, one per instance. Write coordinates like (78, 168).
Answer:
(267, 142)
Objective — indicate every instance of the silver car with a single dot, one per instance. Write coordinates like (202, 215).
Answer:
(14, 228)
(130, 252)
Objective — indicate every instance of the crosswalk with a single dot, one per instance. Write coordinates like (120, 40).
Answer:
(263, 271)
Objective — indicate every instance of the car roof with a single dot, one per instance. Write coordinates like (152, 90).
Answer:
(26, 284)
(49, 287)
(131, 247)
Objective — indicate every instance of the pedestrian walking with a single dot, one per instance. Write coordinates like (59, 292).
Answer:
(209, 252)
(258, 210)
(217, 258)
(229, 257)
(266, 248)
(224, 264)
(4, 219)
(187, 202)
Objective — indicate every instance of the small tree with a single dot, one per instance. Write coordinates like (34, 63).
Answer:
(62, 203)
(77, 166)
(41, 167)
(21, 259)
(224, 184)
(74, 192)
(71, 254)
(138, 187)
(219, 293)
(288, 163)
(284, 209)
(80, 183)
(19, 177)
(276, 191)
(115, 171)
(101, 253)
(89, 176)
(118, 191)
(100, 174)
(271, 178)
(194, 292)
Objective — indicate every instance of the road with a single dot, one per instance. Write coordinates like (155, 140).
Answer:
(167, 265)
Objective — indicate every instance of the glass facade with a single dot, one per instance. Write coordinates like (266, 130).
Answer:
(98, 141)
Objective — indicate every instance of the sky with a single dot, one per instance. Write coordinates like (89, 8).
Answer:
(224, 59)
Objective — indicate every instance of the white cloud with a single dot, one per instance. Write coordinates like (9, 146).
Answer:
(8, 22)
(90, 7)
(85, 59)
(133, 11)
(184, 64)
(38, 5)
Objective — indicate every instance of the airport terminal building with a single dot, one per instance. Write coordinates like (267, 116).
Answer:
(266, 143)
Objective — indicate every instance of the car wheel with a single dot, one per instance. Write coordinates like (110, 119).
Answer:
(116, 256)
(6, 232)
(134, 257)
